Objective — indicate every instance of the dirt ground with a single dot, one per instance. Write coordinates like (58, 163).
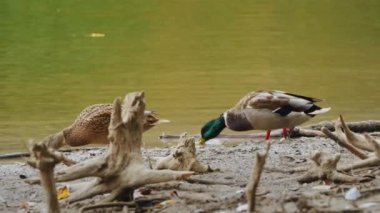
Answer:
(277, 192)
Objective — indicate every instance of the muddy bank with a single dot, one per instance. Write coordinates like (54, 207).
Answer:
(277, 190)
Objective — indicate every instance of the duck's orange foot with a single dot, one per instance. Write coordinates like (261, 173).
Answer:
(267, 135)
(285, 132)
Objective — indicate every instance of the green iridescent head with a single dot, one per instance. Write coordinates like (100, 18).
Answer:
(212, 129)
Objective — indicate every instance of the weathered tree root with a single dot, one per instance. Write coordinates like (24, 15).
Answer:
(122, 167)
(325, 169)
(354, 143)
(45, 160)
(183, 157)
(357, 140)
(344, 144)
(255, 178)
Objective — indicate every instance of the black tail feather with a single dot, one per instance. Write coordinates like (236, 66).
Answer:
(312, 109)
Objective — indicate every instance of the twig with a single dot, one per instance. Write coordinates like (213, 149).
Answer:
(368, 192)
(255, 178)
(107, 205)
(207, 182)
(185, 186)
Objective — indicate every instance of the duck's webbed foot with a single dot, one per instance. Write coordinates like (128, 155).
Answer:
(267, 135)
(285, 134)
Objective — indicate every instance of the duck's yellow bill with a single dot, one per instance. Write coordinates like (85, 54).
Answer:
(201, 141)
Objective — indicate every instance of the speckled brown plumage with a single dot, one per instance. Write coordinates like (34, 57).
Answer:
(91, 127)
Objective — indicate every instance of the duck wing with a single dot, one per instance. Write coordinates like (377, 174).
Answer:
(278, 102)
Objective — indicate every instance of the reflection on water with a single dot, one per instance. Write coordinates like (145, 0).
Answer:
(194, 59)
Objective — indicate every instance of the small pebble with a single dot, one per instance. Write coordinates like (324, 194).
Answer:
(352, 194)
(242, 207)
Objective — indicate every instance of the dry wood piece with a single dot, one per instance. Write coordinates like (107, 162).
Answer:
(373, 158)
(45, 160)
(325, 169)
(125, 206)
(255, 178)
(355, 143)
(359, 127)
(183, 157)
(303, 132)
(357, 140)
(344, 144)
(122, 168)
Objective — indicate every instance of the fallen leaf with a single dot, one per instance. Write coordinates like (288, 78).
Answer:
(63, 192)
(24, 204)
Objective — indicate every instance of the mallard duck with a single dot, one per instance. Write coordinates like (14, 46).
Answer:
(264, 110)
(91, 127)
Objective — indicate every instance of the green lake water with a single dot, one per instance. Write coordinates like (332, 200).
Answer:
(193, 58)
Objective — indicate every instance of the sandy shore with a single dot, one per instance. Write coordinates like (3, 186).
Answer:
(235, 165)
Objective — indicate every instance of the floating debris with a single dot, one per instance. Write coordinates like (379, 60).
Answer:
(97, 35)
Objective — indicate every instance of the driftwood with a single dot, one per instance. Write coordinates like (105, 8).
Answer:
(357, 140)
(45, 160)
(356, 144)
(122, 168)
(344, 144)
(359, 127)
(325, 164)
(255, 178)
(325, 169)
(304, 132)
(183, 158)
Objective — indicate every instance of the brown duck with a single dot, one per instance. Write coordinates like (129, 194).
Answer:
(91, 127)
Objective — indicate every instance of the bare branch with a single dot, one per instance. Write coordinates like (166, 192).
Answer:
(45, 160)
(255, 178)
